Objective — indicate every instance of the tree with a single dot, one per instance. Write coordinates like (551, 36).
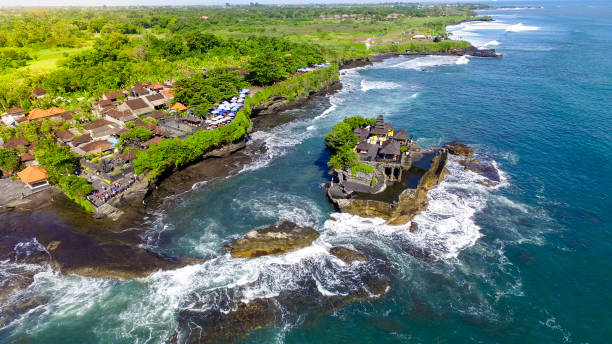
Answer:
(9, 160)
(344, 158)
(266, 69)
(341, 135)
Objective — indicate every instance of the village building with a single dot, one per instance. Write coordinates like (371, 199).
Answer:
(154, 141)
(34, 177)
(98, 146)
(157, 115)
(178, 107)
(158, 101)
(168, 93)
(120, 117)
(16, 142)
(64, 136)
(113, 96)
(81, 140)
(28, 159)
(54, 113)
(138, 90)
(39, 93)
(101, 128)
(137, 107)
(156, 87)
(11, 116)
(67, 117)
(127, 156)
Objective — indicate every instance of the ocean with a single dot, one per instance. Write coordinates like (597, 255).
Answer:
(526, 260)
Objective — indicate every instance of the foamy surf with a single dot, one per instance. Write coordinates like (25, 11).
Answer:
(378, 85)
(429, 61)
(520, 27)
(462, 60)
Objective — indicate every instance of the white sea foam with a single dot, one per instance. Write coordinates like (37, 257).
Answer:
(378, 85)
(414, 95)
(462, 60)
(491, 43)
(420, 63)
(520, 27)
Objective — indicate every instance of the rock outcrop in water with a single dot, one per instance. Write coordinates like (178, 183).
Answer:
(483, 166)
(220, 316)
(283, 236)
(457, 148)
(347, 255)
(402, 208)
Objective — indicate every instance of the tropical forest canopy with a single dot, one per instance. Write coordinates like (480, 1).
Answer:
(79, 53)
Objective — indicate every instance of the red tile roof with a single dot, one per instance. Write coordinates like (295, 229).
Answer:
(32, 174)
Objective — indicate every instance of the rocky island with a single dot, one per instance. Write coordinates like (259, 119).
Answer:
(381, 172)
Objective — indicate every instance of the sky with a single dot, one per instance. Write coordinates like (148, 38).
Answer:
(42, 3)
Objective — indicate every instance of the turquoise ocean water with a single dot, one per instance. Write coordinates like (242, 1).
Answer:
(525, 261)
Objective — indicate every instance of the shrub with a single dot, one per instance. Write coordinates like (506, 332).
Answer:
(9, 160)
(367, 169)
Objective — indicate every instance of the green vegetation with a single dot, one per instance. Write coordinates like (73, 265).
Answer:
(365, 168)
(9, 160)
(201, 91)
(177, 153)
(374, 181)
(60, 163)
(31, 131)
(139, 133)
(341, 140)
(82, 52)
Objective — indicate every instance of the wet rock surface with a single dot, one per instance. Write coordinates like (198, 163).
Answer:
(483, 167)
(282, 237)
(457, 148)
(221, 315)
(347, 255)
(400, 209)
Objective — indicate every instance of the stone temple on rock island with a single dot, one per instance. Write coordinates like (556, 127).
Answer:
(391, 177)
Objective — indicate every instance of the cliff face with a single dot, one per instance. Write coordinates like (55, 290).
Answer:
(409, 203)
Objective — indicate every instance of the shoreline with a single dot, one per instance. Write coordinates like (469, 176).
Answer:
(149, 195)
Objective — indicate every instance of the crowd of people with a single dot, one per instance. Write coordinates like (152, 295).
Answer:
(99, 197)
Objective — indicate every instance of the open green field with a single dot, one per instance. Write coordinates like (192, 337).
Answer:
(45, 60)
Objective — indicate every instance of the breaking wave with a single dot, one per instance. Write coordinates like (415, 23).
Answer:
(420, 63)
(520, 27)
(376, 85)
(462, 60)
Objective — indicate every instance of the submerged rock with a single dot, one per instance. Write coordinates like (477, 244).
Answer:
(347, 255)
(283, 236)
(457, 148)
(223, 316)
(484, 168)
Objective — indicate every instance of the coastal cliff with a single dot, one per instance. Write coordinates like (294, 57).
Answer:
(401, 209)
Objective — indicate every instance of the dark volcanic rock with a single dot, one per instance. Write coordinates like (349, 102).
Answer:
(347, 255)
(408, 203)
(457, 148)
(283, 236)
(483, 167)
(219, 316)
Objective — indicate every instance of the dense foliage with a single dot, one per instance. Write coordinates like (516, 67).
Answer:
(367, 169)
(79, 53)
(201, 91)
(140, 133)
(341, 141)
(60, 165)
(176, 153)
(9, 160)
